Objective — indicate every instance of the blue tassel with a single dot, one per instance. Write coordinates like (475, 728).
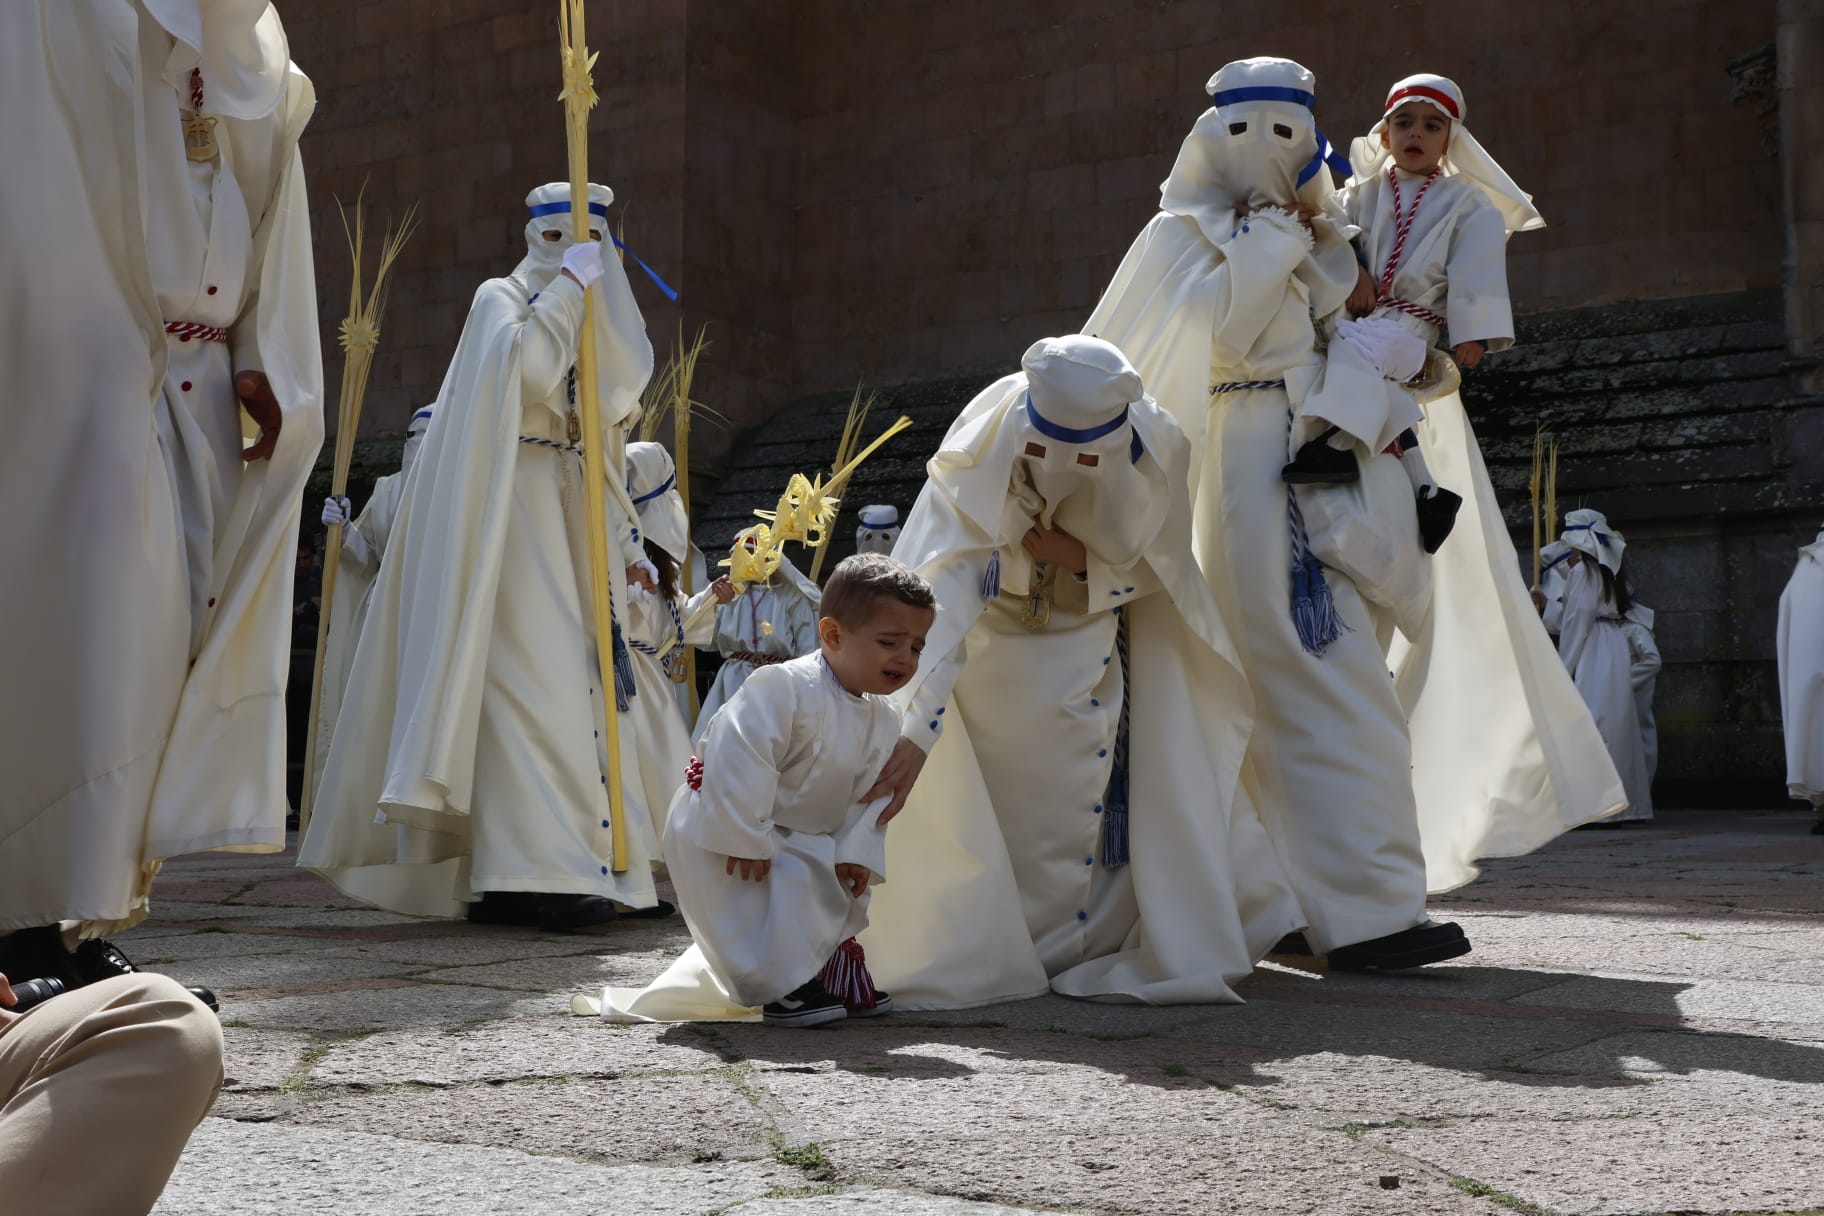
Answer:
(991, 577)
(1114, 799)
(623, 672)
(1313, 607)
(1114, 824)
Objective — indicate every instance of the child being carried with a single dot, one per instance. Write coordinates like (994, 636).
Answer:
(1435, 212)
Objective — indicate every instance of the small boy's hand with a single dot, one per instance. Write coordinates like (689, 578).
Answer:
(724, 589)
(1361, 300)
(1056, 547)
(1468, 354)
(1304, 214)
(854, 878)
(896, 778)
(755, 868)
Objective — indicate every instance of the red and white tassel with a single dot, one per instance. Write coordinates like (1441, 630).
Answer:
(693, 773)
(846, 977)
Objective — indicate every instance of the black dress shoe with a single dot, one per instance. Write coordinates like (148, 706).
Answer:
(504, 908)
(1437, 516)
(1319, 464)
(1418, 946)
(566, 913)
(658, 911)
(1294, 943)
(100, 959)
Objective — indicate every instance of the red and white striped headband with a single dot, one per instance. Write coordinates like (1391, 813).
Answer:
(1423, 92)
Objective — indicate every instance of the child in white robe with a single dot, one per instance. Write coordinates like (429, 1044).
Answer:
(655, 618)
(770, 847)
(1595, 651)
(1434, 211)
(768, 623)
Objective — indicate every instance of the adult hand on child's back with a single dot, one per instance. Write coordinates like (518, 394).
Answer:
(755, 868)
(896, 777)
(854, 878)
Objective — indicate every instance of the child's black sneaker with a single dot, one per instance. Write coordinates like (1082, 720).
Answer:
(883, 1004)
(1437, 516)
(806, 1005)
(1319, 464)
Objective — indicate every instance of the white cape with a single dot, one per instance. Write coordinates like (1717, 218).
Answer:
(412, 722)
(1505, 754)
(962, 933)
(1801, 655)
(359, 565)
(116, 758)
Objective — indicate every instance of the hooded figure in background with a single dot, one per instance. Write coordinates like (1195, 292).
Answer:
(163, 313)
(878, 530)
(768, 623)
(1080, 820)
(364, 540)
(475, 760)
(1801, 654)
(1594, 649)
(656, 617)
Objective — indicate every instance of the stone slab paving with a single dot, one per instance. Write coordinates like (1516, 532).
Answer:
(1640, 1031)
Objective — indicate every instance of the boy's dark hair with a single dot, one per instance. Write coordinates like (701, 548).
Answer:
(667, 566)
(860, 580)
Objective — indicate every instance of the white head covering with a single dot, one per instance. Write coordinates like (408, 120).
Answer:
(1090, 475)
(1258, 144)
(1588, 532)
(652, 484)
(1552, 555)
(879, 528)
(414, 437)
(1463, 156)
(239, 45)
(550, 207)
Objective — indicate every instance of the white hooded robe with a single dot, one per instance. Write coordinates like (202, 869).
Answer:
(1801, 659)
(143, 714)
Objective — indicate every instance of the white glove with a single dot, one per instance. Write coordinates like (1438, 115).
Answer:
(336, 510)
(1392, 349)
(584, 261)
(637, 593)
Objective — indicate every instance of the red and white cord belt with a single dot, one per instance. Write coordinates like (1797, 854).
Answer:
(185, 331)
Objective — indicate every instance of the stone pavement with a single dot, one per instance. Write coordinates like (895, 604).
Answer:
(1639, 1030)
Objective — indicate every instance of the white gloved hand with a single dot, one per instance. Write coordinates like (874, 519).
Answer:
(637, 593)
(336, 510)
(1393, 350)
(584, 262)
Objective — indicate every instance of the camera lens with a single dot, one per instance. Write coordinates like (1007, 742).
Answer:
(34, 992)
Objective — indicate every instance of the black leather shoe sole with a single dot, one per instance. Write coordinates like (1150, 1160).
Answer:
(1419, 946)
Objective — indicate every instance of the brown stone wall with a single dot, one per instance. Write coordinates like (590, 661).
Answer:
(452, 104)
(972, 172)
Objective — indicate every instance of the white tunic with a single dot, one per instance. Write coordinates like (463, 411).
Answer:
(1454, 264)
(1595, 652)
(784, 767)
(142, 714)
(1643, 673)
(480, 737)
(1004, 829)
(1330, 755)
(789, 606)
(654, 715)
(363, 546)
(1801, 656)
